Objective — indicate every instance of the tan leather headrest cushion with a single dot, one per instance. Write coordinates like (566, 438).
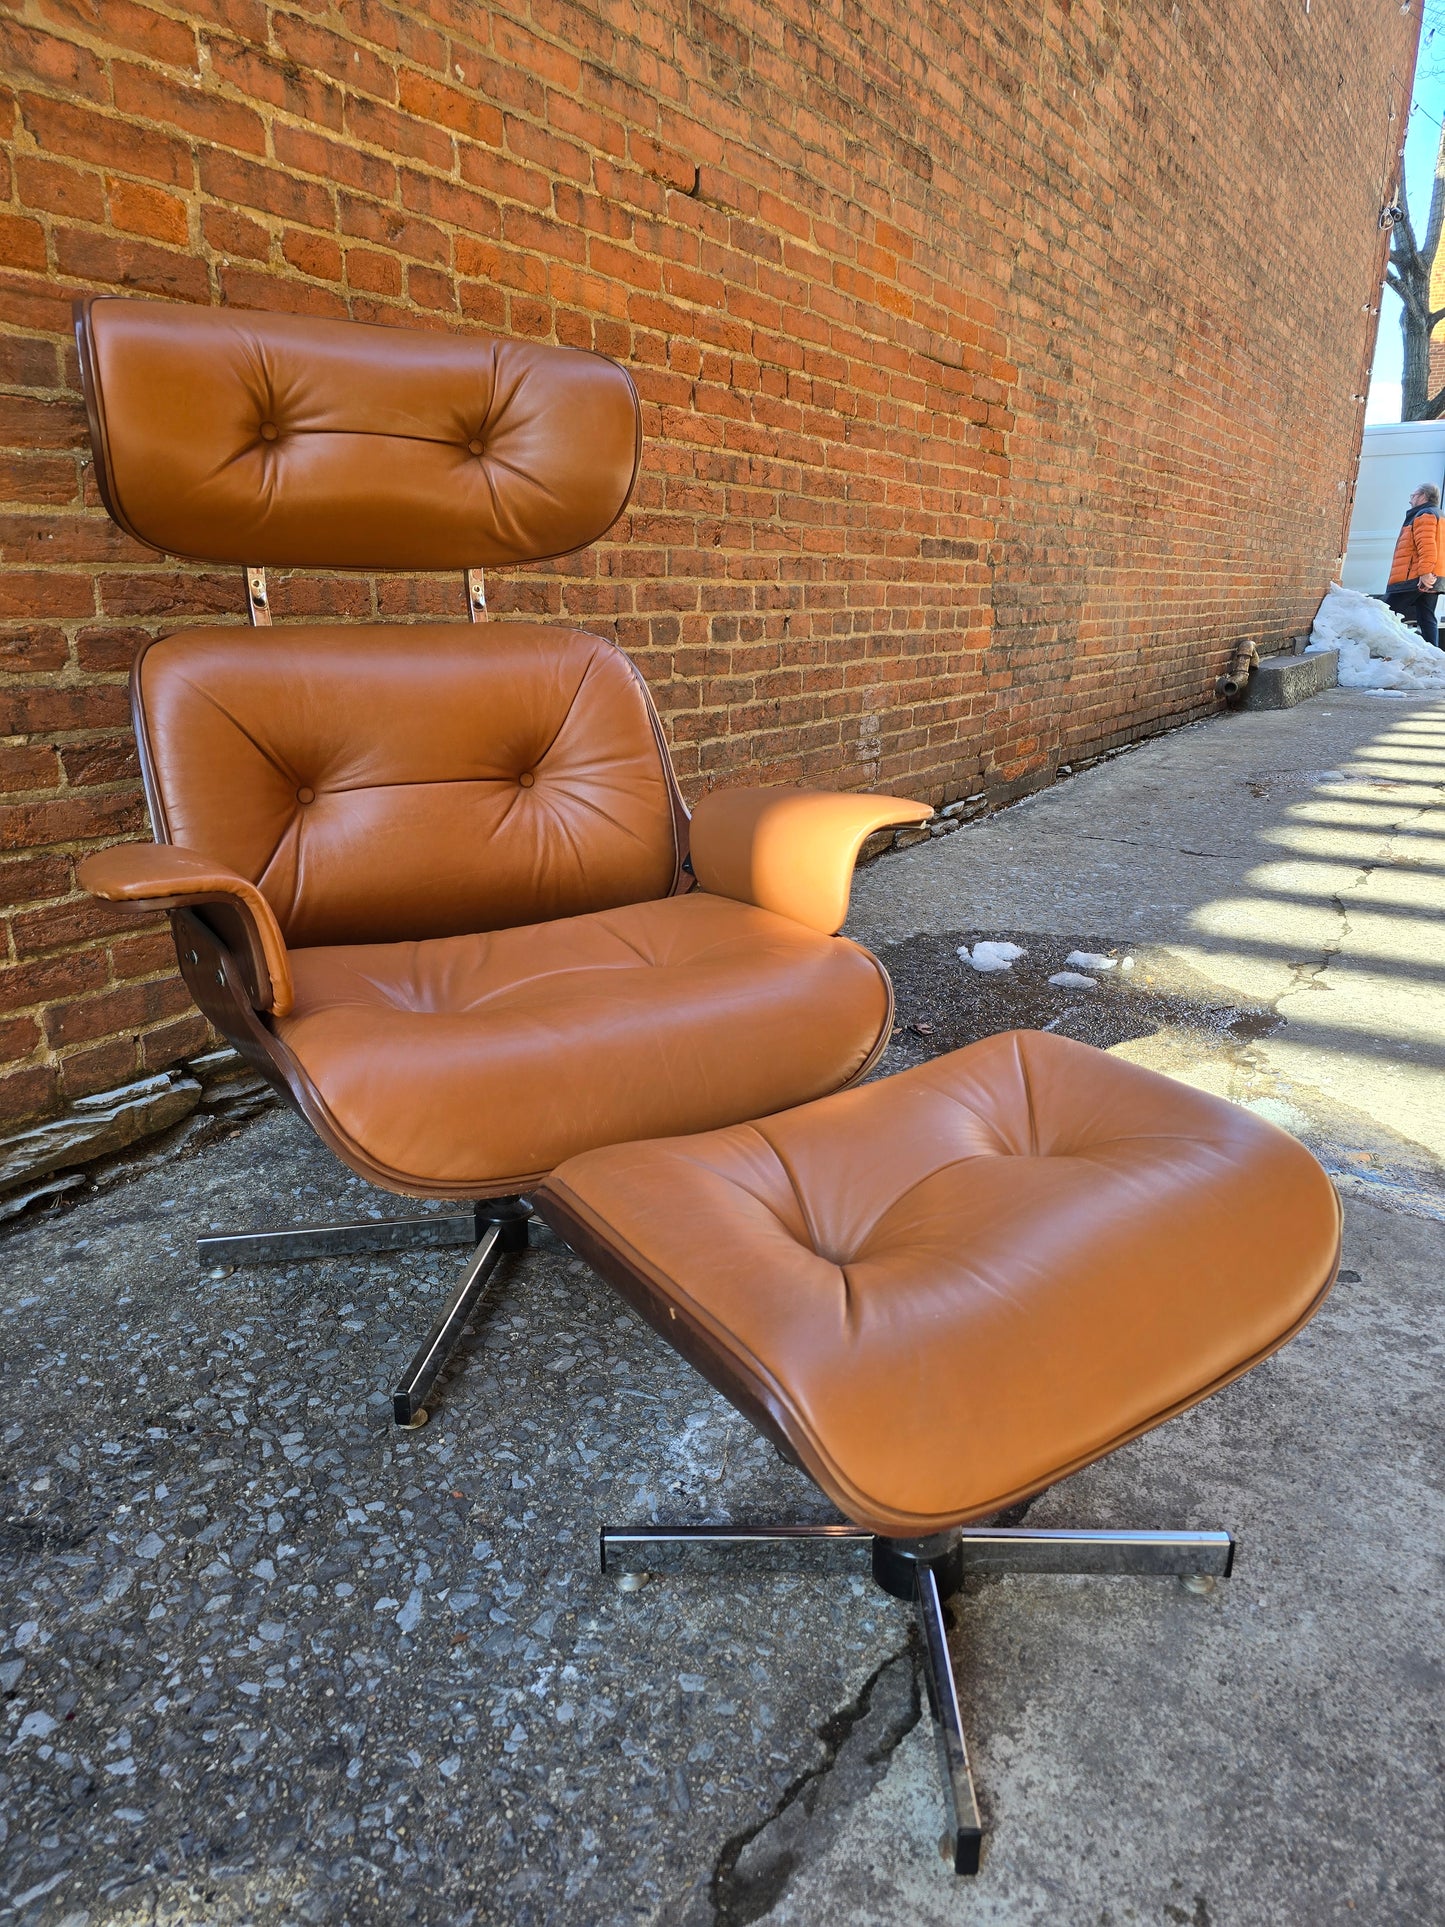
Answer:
(282, 439)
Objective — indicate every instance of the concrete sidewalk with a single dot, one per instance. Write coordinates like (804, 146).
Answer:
(1290, 864)
(265, 1660)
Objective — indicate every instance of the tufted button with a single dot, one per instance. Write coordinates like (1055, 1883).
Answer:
(269, 431)
(305, 795)
(475, 446)
(526, 779)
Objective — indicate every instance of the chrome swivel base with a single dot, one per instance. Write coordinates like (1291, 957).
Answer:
(927, 1572)
(496, 1227)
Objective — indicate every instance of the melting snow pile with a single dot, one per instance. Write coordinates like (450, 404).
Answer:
(1078, 961)
(991, 956)
(1377, 650)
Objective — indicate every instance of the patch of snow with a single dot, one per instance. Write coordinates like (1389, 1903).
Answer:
(1377, 650)
(1071, 980)
(992, 956)
(1090, 960)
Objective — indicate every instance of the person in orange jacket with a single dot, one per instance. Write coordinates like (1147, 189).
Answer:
(1418, 563)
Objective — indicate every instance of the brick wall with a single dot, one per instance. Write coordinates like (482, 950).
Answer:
(1437, 339)
(998, 367)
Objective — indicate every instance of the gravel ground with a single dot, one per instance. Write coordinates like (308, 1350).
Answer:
(264, 1658)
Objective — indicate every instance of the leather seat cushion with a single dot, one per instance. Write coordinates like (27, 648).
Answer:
(945, 1290)
(468, 1065)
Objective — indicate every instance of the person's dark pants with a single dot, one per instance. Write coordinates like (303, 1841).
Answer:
(1411, 606)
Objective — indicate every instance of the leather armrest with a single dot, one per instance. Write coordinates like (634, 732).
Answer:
(164, 877)
(791, 851)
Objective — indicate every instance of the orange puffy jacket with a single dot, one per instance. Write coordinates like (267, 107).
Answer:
(1420, 549)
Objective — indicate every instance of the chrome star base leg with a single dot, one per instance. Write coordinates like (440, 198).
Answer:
(501, 1226)
(314, 1241)
(926, 1572)
(494, 1228)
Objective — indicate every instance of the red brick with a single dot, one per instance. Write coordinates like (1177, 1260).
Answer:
(119, 23)
(19, 1036)
(432, 101)
(59, 189)
(28, 361)
(31, 301)
(246, 183)
(142, 209)
(23, 591)
(24, 985)
(376, 273)
(313, 254)
(143, 94)
(107, 650)
(284, 84)
(24, 879)
(100, 1067)
(373, 122)
(32, 536)
(303, 151)
(28, 766)
(69, 819)
(240, 288)
(123, 1007)
(486, 306)
(26, 1093)
(110, 262)
(81, 133)
(231, 233)
(57, 63)
(24, 711)
(397, 29)
(50, 480)
(31, 650)
(167, 1044)
(176, 598)
(111, 760)
(313, 49)
(444, 201)
(389, 228)
(22, 242)
(429, 289)
(242, 19)
(61, 924)
(143, 955)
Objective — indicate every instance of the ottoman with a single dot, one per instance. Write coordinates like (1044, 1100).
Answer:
(942, 1292)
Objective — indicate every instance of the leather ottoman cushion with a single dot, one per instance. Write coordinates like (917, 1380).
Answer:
(471, 1065)
(945, 1290)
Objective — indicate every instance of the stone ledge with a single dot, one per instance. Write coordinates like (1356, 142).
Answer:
(1282, 681)
(98, 1138)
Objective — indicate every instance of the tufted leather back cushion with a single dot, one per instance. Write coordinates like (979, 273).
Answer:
(473, 779)
(282, 439)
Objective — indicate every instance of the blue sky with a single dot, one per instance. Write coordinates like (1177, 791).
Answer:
(1427, 111)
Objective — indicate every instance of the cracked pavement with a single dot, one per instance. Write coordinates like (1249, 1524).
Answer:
(265, 1660)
